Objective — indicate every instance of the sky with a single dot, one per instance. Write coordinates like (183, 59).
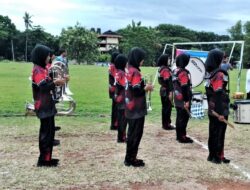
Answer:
(201, 15)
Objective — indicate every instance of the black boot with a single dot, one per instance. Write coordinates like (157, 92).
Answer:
(216, 160)
(134, 163)
(51, 163)
(225, 160)
(113, 128)
(57, 128)
(169, 127)
(210, 157)
(56, 142)
(121, 140)
(185, 140)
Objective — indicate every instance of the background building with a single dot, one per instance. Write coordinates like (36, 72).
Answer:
(108, 41)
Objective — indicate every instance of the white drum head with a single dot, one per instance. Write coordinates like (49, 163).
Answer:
(197, 71)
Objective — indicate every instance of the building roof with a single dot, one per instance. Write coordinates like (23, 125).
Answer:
(110, 33)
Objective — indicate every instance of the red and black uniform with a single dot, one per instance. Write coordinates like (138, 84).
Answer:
(182, 94)
(136, 109)
(165, 80)
(218, 101)
(42, 87)
(120, 84)
(112, 71)
(135, 94)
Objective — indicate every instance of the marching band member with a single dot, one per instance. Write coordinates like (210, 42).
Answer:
(218, 101)
(182, 97)
(136, 108)
(62, 57)
(166, 91)
(112, 71)
(120, 83)
(42, 85)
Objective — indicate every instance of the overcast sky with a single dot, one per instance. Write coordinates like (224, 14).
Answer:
(200, 15)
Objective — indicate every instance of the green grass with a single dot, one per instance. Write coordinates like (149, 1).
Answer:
(89, 156)
(88, 83)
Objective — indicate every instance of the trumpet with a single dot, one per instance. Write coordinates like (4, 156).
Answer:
(150, 82)
(148, 100)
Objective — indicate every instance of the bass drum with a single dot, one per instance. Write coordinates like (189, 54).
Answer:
(241, 111)
(197, 71)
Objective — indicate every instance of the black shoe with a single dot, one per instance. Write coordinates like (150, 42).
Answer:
(185, 140)
(121, 141)
(113, 128)
(216, 160)
(225, 160)
(170, 127)
(134, 163)
(57, 128)
(51, 163)
(210, 157)
(56, 142)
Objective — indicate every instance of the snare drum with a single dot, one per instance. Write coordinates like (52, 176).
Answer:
(197, 110)
(205, 104)
(197, 97)
(241, 113)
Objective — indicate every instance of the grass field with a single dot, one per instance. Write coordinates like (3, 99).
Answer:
(89, 156)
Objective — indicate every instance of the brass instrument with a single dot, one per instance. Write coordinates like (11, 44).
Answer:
(65, 104)
(148, 80)
(56, 71)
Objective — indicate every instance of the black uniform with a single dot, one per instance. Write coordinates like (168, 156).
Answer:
(166, 91)
(112, 71)
(42, 87)
(218, 101)
(136, 109)
(182, 94)
(120, 84)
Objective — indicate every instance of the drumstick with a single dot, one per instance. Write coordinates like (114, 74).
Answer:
(224, 120)
(156, 74)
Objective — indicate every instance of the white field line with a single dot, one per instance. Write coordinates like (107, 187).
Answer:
(235, 166)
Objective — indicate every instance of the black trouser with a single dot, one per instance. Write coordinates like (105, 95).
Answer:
(114, 120)
(181, 123)
(46, 138)
(122, 124)
(166, 111)
(135, 131)
(217, 130)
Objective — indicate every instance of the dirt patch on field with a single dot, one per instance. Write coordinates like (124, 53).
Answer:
(90, 158)
(228, 185)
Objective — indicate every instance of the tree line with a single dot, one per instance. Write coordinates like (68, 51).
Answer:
(82, 43)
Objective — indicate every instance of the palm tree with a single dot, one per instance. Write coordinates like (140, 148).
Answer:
(27, 22)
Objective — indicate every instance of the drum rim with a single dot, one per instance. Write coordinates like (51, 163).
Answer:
(242, 101)
(197, 92)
